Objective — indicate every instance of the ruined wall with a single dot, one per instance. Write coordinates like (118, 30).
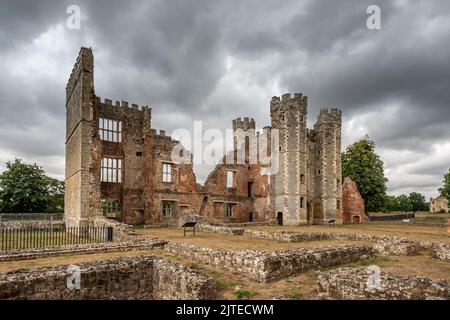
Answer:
(297, 191)
(353, 210)
(269, 266)
(142, 277)
(79, 116)
(438, 204)
(351, 284)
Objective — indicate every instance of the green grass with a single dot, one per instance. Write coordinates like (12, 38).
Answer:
(380, 261)
(242, 294)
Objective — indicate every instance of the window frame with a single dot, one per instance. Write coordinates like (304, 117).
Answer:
(167, 208)
(110, 130)
(167, 174)
(111, 170)
(230, 179)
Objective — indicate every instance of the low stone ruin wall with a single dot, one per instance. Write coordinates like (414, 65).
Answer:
(122, 232)
(142, 277)
(352, 284)
(220, 229)
(386, 245)
(264, 266)
(441, 252)
(29, 254)
(288, 236)
(31, 224)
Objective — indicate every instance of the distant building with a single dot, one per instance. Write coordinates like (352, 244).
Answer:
(438, 204)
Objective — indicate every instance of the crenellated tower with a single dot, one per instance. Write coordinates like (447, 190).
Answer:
(244, 139)
(288, 188)
(327, 158)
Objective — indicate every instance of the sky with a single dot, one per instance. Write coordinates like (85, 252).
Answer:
(214, 61)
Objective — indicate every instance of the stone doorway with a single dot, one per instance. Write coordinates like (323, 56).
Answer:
(250, 217)
(356, 219)
(280, 218)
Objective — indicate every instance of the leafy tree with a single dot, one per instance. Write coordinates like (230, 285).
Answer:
(417, 201)
(364, 166)
(404, 203)
(445, 190)
(390, 203)
(26, 188)
(56, 195)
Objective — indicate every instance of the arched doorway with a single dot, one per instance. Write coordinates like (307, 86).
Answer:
(250, 217)
(356, 219)
(204, 208)
(280, 218)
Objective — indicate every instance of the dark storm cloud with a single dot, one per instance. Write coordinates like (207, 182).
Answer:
(216, 60)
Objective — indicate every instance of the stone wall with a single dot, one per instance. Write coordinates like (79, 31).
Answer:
(441, 251)
(142, 277)
(31, 224)
(269, 266)
(138, 243)
(352, 284)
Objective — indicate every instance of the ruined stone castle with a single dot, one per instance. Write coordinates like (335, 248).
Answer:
(118, 166)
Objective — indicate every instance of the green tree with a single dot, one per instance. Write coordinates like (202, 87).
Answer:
(56, 195)
(26, 188)
(417, 201)
(445, 190)
(390, 203)
(364, 166)
(404, 203)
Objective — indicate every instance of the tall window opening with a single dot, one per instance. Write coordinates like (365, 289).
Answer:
(110, 130)
(111, 170)
(167, 172)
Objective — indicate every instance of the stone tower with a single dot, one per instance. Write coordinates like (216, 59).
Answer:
(244, 139)
(79, 116)
(327, 166)
(288, 187)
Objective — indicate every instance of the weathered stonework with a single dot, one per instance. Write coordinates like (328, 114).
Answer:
(117, 141)
(142, 277)
(306, 188)
(269, 266)
(441, 251)
(351, 284)
(139, 243)
(438, 204)
(353, 209)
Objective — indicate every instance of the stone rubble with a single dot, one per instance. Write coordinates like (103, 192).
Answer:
(352, 284)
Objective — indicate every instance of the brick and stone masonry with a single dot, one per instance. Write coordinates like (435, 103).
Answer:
(141, 277)
(119, 166)
(353, 209)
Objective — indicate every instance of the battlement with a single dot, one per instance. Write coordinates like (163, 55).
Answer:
(84, 62)
(287, 101)
(328, 115)
(244, 124)
(123, 104)
(161, 134)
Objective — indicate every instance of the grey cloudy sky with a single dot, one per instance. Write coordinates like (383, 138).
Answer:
(217, 60)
